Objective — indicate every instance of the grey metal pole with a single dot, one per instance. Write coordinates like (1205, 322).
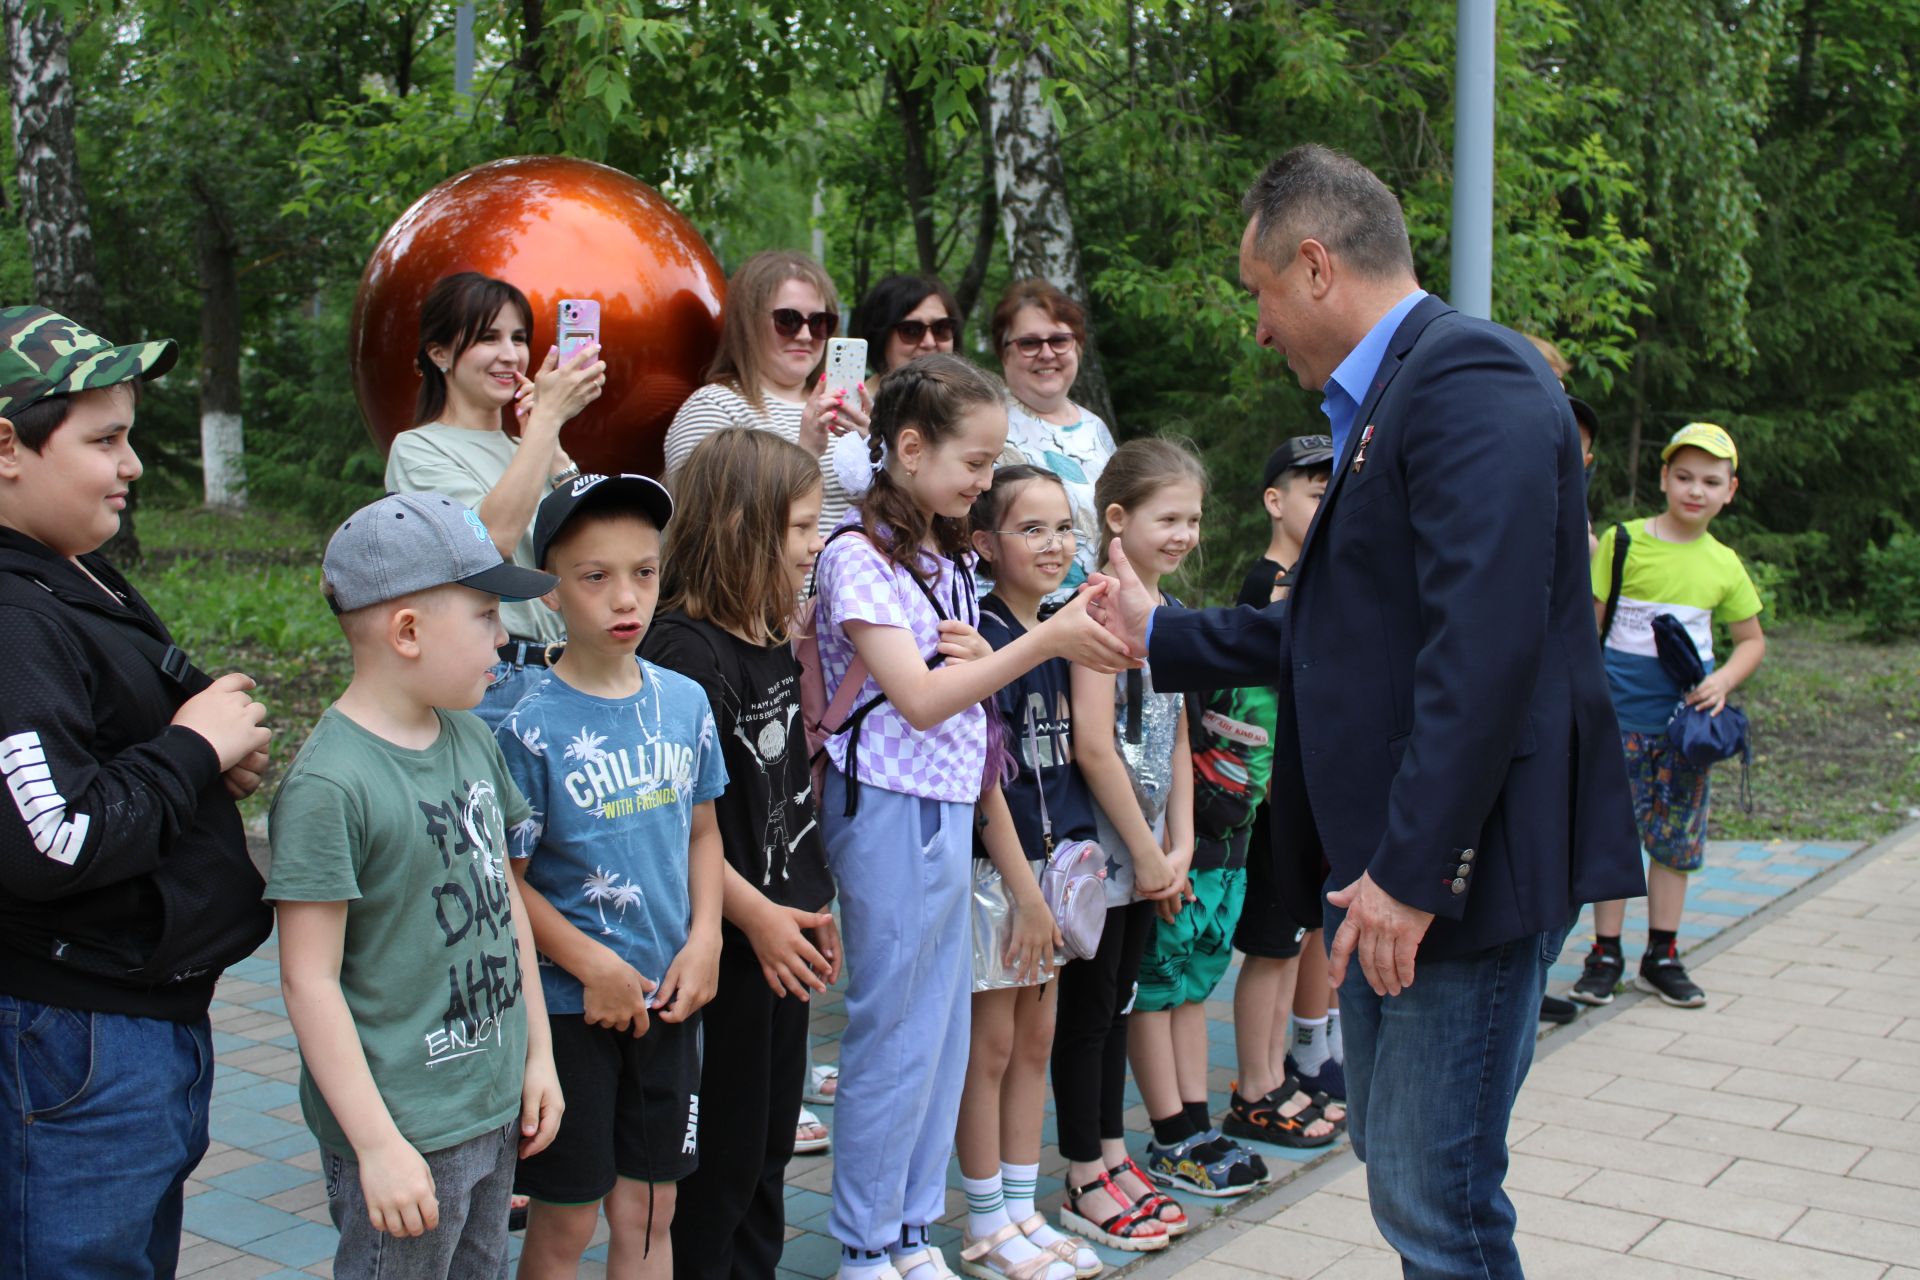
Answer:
(463, 50)
(1472, 241)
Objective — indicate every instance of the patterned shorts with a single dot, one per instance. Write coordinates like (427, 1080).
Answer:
(1669, 800)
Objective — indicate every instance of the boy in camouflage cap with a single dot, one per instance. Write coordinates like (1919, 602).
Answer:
(125, 886)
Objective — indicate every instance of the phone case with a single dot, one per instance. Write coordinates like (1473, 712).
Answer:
(846, 366)
(579, 326)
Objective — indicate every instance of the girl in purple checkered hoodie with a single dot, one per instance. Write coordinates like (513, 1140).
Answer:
(905, 774)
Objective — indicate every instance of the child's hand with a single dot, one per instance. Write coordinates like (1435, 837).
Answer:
(1711, 693)
(789, 961)
(961, 643)
(1074, 635)
(826, 939)
(1034, 942)
(1153, 875)
(245, 778)
(616, 996)
(226, 715)
(399, 1190)
(691, 979)
(540, 1105)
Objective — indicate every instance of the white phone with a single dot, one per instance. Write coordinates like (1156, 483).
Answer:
(846, 367)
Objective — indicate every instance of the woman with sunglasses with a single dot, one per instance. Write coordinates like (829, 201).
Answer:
(781, 308)
(905, 316)
(1038, 332)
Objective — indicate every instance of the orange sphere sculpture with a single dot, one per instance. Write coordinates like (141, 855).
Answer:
(557, 228)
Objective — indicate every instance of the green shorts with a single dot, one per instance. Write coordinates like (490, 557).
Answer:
(1185, 960)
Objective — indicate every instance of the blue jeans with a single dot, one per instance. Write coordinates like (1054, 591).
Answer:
(1431, 1078)
(102, 1117)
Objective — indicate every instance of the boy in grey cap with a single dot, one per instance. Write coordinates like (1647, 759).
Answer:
(405, 956)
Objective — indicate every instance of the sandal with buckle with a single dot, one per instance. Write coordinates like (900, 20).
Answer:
(1133, 1230)
(1260, 1119)
(1066, 1248)
(1186, 1166)
(980, 1258)
(1157, 1202)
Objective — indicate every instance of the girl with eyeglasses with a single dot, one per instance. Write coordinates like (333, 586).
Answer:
(781, 308)
(903, 317)
(1039, 332)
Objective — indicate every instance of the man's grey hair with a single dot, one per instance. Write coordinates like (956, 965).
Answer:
(1316, 193)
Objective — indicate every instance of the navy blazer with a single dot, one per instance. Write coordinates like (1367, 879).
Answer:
(1445, 723)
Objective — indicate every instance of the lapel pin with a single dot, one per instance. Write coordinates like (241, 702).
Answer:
(1360, 454)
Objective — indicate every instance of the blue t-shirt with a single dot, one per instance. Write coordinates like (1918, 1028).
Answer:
(613, 783)
(1046, 692)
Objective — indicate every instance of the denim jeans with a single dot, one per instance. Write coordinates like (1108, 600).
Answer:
(102, 1117)
(1431, 1078)
(473, 1183)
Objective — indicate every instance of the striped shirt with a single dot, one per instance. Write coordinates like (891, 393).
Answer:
(716, 407)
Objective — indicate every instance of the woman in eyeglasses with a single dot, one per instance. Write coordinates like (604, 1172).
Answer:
(903, 317)
(1038, 332)
(781, 308)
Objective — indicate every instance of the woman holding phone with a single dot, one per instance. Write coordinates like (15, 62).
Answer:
(1039, 333)
(781, 308)
(475, 337)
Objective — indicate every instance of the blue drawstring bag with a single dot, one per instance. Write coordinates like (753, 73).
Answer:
(1700, 738)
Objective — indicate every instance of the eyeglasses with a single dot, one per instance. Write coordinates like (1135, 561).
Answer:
(914, 330)
(1029, 346)
(821, 324)
(1040, 539)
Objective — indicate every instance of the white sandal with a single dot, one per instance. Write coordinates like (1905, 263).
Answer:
(932, 1257)
(823, 1083)
(804, 1146)
(977, 1258)
(1070, 1249)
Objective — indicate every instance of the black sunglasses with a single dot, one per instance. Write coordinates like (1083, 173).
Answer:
(913, 330)
(821, 324)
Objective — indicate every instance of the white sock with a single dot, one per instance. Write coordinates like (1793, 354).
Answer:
(986, 1205)
(913, 1239)
(1311, 1044)
(1020, 1181)
(1333, 1036)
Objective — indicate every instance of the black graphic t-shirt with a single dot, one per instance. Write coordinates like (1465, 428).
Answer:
(1045, 692)
(769, 820)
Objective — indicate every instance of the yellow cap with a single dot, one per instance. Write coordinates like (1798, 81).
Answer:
(1706, 437)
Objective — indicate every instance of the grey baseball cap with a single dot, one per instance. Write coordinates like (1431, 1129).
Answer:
(409, 542)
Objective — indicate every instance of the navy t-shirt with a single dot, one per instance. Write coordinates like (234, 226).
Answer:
(1045, 691)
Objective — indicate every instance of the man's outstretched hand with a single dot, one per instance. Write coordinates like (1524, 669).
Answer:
(1382, 931)
(1124, 608)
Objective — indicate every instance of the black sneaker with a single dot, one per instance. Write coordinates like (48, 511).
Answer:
(1555, 1010)
(1601, 977)
(1666, 977)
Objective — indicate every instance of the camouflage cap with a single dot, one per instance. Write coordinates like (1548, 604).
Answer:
(42, 353)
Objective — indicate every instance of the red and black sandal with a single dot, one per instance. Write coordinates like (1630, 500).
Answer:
(1155, 1201)
(1134, 1229)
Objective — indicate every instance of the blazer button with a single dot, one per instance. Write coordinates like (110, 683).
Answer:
(1460, 886)
(1463, 869)
(1466, 855)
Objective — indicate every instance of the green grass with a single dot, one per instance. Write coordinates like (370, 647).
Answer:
(1836, 719)
(1836, 737)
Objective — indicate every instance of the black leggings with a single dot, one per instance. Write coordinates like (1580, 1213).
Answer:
(729, 1222)
(1090, 1035)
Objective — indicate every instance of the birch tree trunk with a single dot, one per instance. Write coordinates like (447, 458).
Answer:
(53, 201)
(1031, 183)
(222, 441)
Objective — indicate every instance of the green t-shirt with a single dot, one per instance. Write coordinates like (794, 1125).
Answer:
(415, 843)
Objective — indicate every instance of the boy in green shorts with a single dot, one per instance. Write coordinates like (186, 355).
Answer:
(405, 955)
(1673, 566)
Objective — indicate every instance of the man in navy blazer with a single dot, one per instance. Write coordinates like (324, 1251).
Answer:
(1447, 762)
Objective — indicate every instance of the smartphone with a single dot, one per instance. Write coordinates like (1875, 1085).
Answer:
(846, 367)
(579, 326)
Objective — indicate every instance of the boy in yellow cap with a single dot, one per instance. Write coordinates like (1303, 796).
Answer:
(1670, 564)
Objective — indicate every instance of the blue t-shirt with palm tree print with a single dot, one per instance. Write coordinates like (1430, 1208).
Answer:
(612, 783)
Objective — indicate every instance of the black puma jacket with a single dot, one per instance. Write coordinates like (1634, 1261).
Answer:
(125, 885)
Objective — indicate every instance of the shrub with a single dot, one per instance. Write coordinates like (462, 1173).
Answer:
(1890, 575)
